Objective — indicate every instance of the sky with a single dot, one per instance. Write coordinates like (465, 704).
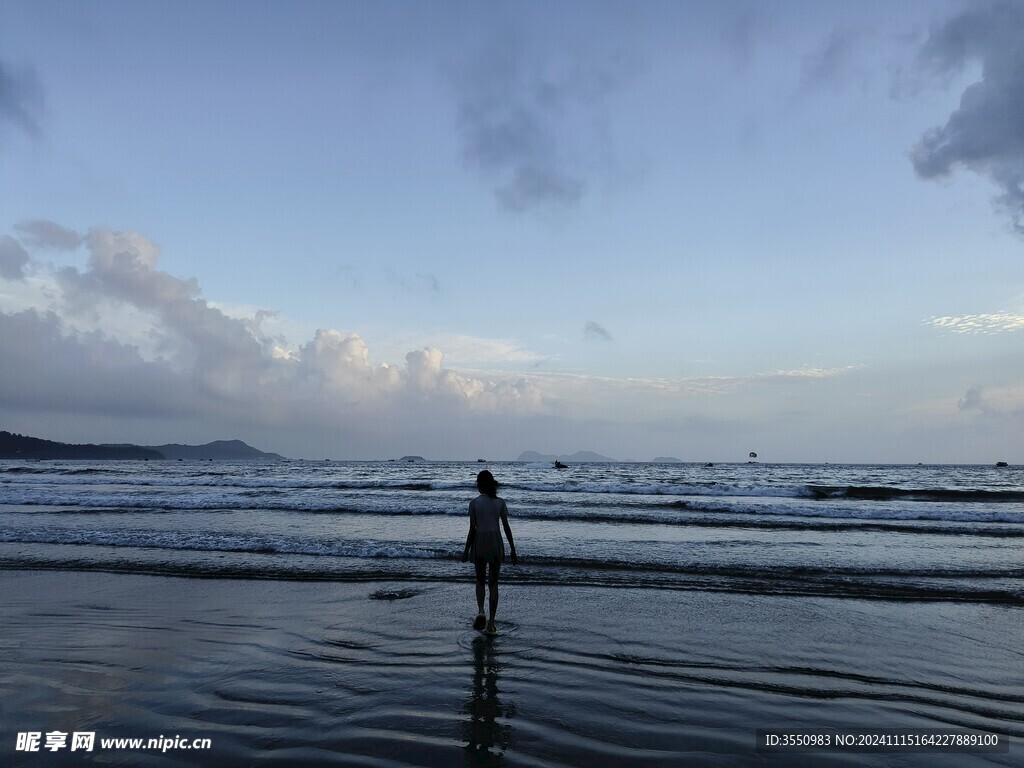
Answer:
(360, 230)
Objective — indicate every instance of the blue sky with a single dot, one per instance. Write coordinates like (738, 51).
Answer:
(359, 230)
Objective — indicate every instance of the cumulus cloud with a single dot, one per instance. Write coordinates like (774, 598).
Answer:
(13, 258)
(21, 98)
(46, 369)
(535, 124)
(205, 364)
(985, 134)
(594, 332)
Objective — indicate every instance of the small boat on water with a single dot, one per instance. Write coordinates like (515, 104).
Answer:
(1002, 464)
(560, 465)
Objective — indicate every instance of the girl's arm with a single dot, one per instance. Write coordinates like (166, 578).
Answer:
(472, 534)
(508, 532)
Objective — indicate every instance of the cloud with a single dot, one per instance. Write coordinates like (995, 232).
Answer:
(998, 322)
(21, 98)
(13, 258)
(739, 36)
(986, 132)
(475, 351)
(971, 401)
(536, 124)
(833, 63)
(421, 282)
(594, 332)
(206, 365)
(40, 233)
(45, 369)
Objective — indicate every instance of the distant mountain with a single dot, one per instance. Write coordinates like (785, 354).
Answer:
(666, 460)
(21, 447)
(579, 456)
(221, 450)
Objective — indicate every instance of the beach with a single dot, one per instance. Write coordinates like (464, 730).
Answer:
(285, 672)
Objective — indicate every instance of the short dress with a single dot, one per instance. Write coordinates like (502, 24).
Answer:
(488, 544)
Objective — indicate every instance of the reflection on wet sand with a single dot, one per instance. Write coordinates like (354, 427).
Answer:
(486, 731)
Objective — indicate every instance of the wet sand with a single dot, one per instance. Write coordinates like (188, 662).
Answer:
(392, 674)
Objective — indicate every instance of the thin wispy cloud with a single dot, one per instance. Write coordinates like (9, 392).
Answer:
(996, 322)
(694, 385)
(418, 283)
(21, 98)
(47, 235)
(837, 61)
(477, 352)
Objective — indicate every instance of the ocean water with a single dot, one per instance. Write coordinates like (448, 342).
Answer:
(953, 533)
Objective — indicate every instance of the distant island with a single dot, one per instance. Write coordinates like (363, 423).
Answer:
(13, 446)
(666, 460)
(228, 450)
(579, 456)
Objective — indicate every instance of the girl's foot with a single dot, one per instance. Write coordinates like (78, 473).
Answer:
(480, 622)
(491, 630)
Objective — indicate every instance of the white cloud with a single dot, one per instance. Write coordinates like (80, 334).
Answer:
(122, 336)
(997, 322)
(472, 351)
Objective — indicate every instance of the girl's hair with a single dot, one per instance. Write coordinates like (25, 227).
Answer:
(486, 484)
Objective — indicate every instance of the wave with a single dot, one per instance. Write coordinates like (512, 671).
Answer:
(574, 489)
(808, 515)
(888, 493)
(219, 541)
(375, 563)
(205, 541)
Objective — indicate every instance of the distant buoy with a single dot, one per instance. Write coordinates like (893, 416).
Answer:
(752, 455)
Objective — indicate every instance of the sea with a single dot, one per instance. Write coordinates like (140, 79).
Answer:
(869, 532)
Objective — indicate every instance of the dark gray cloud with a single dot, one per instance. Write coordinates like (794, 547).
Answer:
(534, 125)
(13, 258)
(21, 98)
(40, 233)
(985, 134)
(594, 332)
(46, 369)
